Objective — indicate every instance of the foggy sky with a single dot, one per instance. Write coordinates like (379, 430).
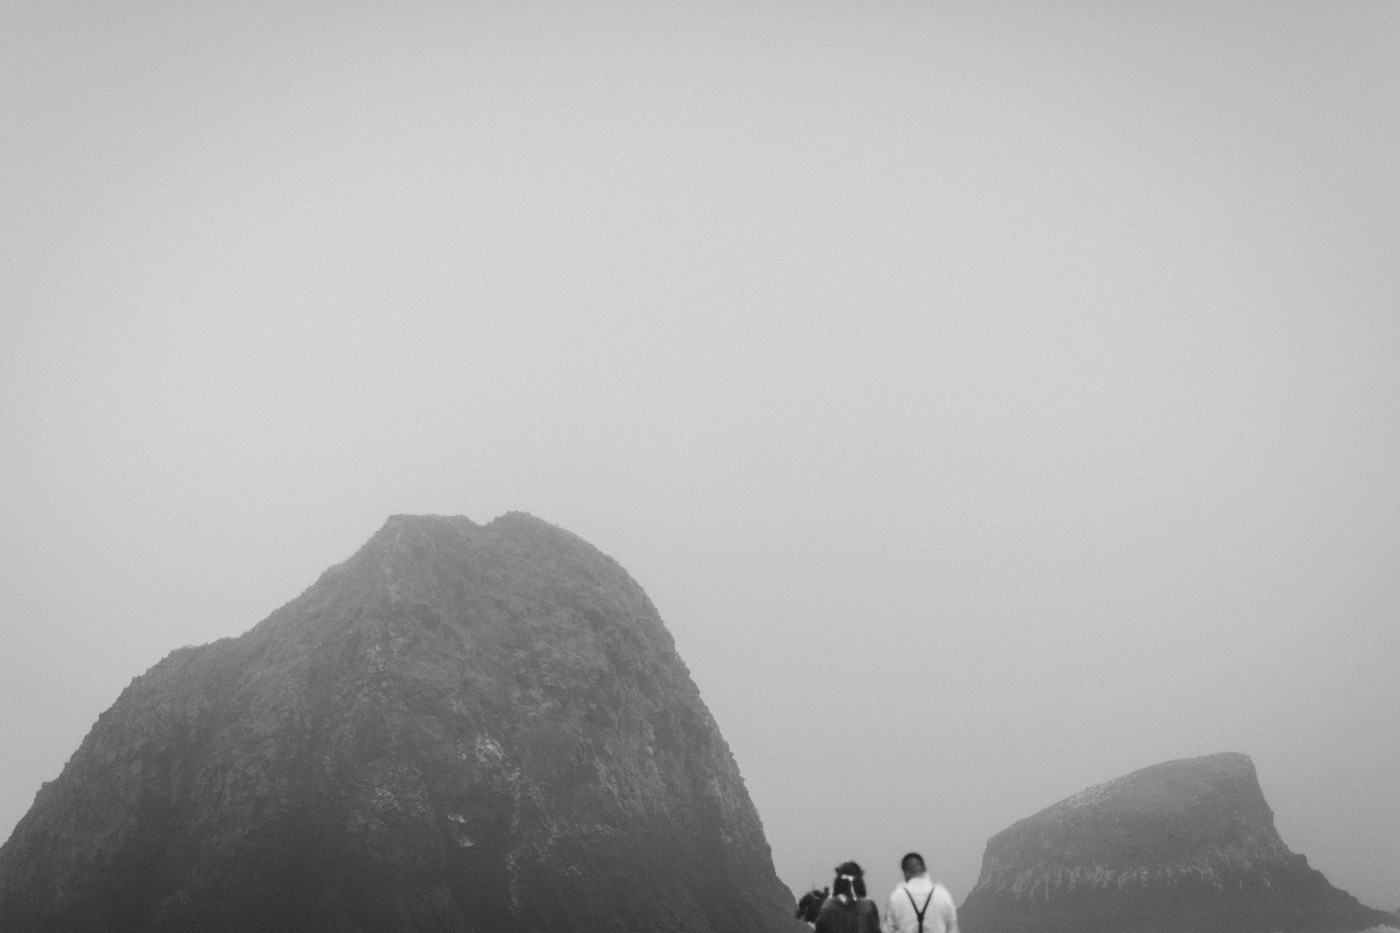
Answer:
(993, 399)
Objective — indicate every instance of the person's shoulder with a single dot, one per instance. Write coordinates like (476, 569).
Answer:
(942, 893)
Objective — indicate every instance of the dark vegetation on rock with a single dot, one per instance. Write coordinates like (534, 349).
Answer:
(465, 728)
(1182, 847)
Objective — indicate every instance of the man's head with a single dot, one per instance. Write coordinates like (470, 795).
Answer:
(912, 865)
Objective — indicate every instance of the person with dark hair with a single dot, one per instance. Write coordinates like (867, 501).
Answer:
(811, 905)
(918, 905)
(848, 910)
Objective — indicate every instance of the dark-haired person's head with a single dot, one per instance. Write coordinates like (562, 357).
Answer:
(912, 865)
(849, 885)
(811, 904)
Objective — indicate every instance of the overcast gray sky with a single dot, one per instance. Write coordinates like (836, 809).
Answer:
(993, 399)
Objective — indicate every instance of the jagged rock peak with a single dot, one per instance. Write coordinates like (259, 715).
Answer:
(1186, 845)
(462, 728)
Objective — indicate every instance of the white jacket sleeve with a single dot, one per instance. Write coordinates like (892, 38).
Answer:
(950, 910)
(887, 922)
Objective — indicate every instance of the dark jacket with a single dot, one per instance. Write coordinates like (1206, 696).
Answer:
(857, 917)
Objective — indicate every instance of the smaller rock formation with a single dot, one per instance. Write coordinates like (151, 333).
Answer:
(1186, 846)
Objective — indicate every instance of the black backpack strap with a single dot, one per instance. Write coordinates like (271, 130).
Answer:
(919, 911)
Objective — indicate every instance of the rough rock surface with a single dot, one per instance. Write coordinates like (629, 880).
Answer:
(462, 728)
(1182, 847)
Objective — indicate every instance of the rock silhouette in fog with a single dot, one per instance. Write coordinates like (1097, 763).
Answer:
(1186, 846)
(461, 728)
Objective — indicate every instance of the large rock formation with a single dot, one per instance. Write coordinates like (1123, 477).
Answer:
(1183, 847)
(461, 728)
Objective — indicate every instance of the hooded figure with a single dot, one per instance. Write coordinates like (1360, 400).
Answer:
(848, 910)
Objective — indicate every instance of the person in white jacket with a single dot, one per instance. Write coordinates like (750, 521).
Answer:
(918, 905)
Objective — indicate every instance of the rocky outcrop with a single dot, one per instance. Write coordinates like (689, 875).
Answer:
(1182, 847)
(462, 728)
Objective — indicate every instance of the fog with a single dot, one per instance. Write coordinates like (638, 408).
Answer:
(993, 399)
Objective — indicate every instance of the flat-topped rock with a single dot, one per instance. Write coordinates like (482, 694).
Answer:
(1186, 846)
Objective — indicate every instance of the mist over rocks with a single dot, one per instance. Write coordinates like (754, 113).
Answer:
(461, 728)
(1185, 846)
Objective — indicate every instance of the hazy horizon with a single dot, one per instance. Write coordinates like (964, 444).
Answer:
(994, 400)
